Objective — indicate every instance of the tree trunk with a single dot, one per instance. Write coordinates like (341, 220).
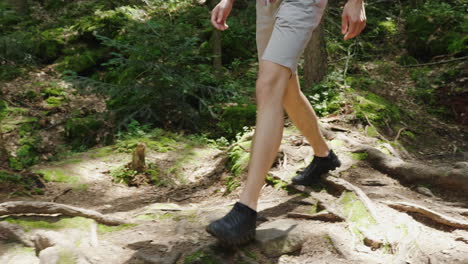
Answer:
(216, 43)
(3, 151)
(20, 6)
(315, 57)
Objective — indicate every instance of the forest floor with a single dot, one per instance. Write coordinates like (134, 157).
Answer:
(167, 224)
(359, 213)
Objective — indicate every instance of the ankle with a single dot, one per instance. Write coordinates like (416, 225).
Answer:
(322, 153)
(251, 205)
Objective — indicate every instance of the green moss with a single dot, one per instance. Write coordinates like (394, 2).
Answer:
(58, 175)
(355, 211)
(102, 152)
(335, 143)
(81, 187)
(66, 256)
(388, 26)
(359, 155)
(107, 229)
(408, 134)
(29, 224)
(200, 256)
(372, 132)
(376, 108)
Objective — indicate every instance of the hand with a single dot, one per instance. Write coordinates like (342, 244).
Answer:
(353, 20)
(220, 14)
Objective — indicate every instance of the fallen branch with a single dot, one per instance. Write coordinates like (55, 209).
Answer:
(323, 215)
(23, 207)
(433, 215)
(434, 63)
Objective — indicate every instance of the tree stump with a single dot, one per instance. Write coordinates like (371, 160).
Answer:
(138, 159)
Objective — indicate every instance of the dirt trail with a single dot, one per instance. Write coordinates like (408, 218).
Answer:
(167, 223)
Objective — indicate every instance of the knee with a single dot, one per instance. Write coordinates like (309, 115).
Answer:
(268, 89)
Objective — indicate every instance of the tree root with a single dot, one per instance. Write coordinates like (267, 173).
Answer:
(23, 207)
(342, 185)
(435, 216)
(454, 178)
(323, 216)
(15, 233)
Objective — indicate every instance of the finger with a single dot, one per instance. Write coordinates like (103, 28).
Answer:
(344, 24)
(220, 16)
(351, 31)
(214, 16)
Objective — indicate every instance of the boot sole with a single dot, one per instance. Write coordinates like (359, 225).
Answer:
(233, 242)
(315, 180)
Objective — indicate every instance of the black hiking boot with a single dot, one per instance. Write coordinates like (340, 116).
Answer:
(235, 228)
(319, 166)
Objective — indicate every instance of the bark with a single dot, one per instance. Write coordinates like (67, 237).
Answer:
(138, 158)
(23, 207)
(315, 57)
(4, 156)
(323, 215)
(455, 178)
(343, 185)
(216, 43)
(433, 215)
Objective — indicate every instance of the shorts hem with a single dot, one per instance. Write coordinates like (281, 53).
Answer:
(291, 68)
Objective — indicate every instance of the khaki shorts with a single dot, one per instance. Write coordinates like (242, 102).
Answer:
(284, 28)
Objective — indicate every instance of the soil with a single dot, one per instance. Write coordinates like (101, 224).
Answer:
(170, 220)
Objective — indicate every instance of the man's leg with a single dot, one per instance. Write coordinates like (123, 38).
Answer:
(303, 116)
(238, 226)
(270, 89)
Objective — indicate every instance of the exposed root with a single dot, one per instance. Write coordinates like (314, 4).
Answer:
(14, 233)
(435, 216)
(447, 177)
(343, 185)
(23, 207)
(323, 216)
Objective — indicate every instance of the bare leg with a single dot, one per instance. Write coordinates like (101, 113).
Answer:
(303, 116)
(270, 89)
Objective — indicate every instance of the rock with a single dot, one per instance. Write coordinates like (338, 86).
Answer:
(55, 248)
(281, 237)
(15, 233)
